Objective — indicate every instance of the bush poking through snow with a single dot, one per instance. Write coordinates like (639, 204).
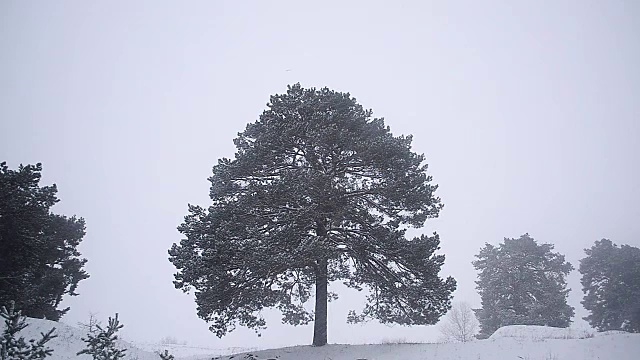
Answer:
(13, 347)
(166, 355)
(101, 344)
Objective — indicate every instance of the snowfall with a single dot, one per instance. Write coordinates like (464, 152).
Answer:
(510, 342)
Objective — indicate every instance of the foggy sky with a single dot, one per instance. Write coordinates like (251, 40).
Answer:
(528, 113)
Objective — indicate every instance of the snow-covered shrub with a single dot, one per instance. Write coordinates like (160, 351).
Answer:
(166, 355)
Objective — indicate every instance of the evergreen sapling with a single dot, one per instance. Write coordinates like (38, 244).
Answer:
(13, 347)
(101, 344)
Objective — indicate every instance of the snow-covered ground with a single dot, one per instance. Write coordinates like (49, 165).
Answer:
(618, 346)
(511, 342)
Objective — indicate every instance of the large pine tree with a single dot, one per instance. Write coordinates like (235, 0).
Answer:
(611, 284)
(39, 260)
(318, 191)
(522, 282)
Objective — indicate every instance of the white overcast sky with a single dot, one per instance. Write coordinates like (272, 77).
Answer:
(528, 113)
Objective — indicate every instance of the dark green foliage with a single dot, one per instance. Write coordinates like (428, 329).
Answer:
(39, 261)
(522, 282)
(101, 344)
(611, 283)
(13, 347)
(318, 191)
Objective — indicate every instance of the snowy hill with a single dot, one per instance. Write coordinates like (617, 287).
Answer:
(511, 342)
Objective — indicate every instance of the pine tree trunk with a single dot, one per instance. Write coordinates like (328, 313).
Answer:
(320, 322)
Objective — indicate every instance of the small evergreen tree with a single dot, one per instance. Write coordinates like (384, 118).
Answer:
(13, 347)
(611, 284)
(101, 344)
(522, 282)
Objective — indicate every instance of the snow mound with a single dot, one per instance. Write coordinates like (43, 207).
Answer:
(69, 341)
(534, 332)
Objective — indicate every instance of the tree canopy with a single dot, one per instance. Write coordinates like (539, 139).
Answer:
(522, 282)
(318, 191)
(39, 260)
(611, 284)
